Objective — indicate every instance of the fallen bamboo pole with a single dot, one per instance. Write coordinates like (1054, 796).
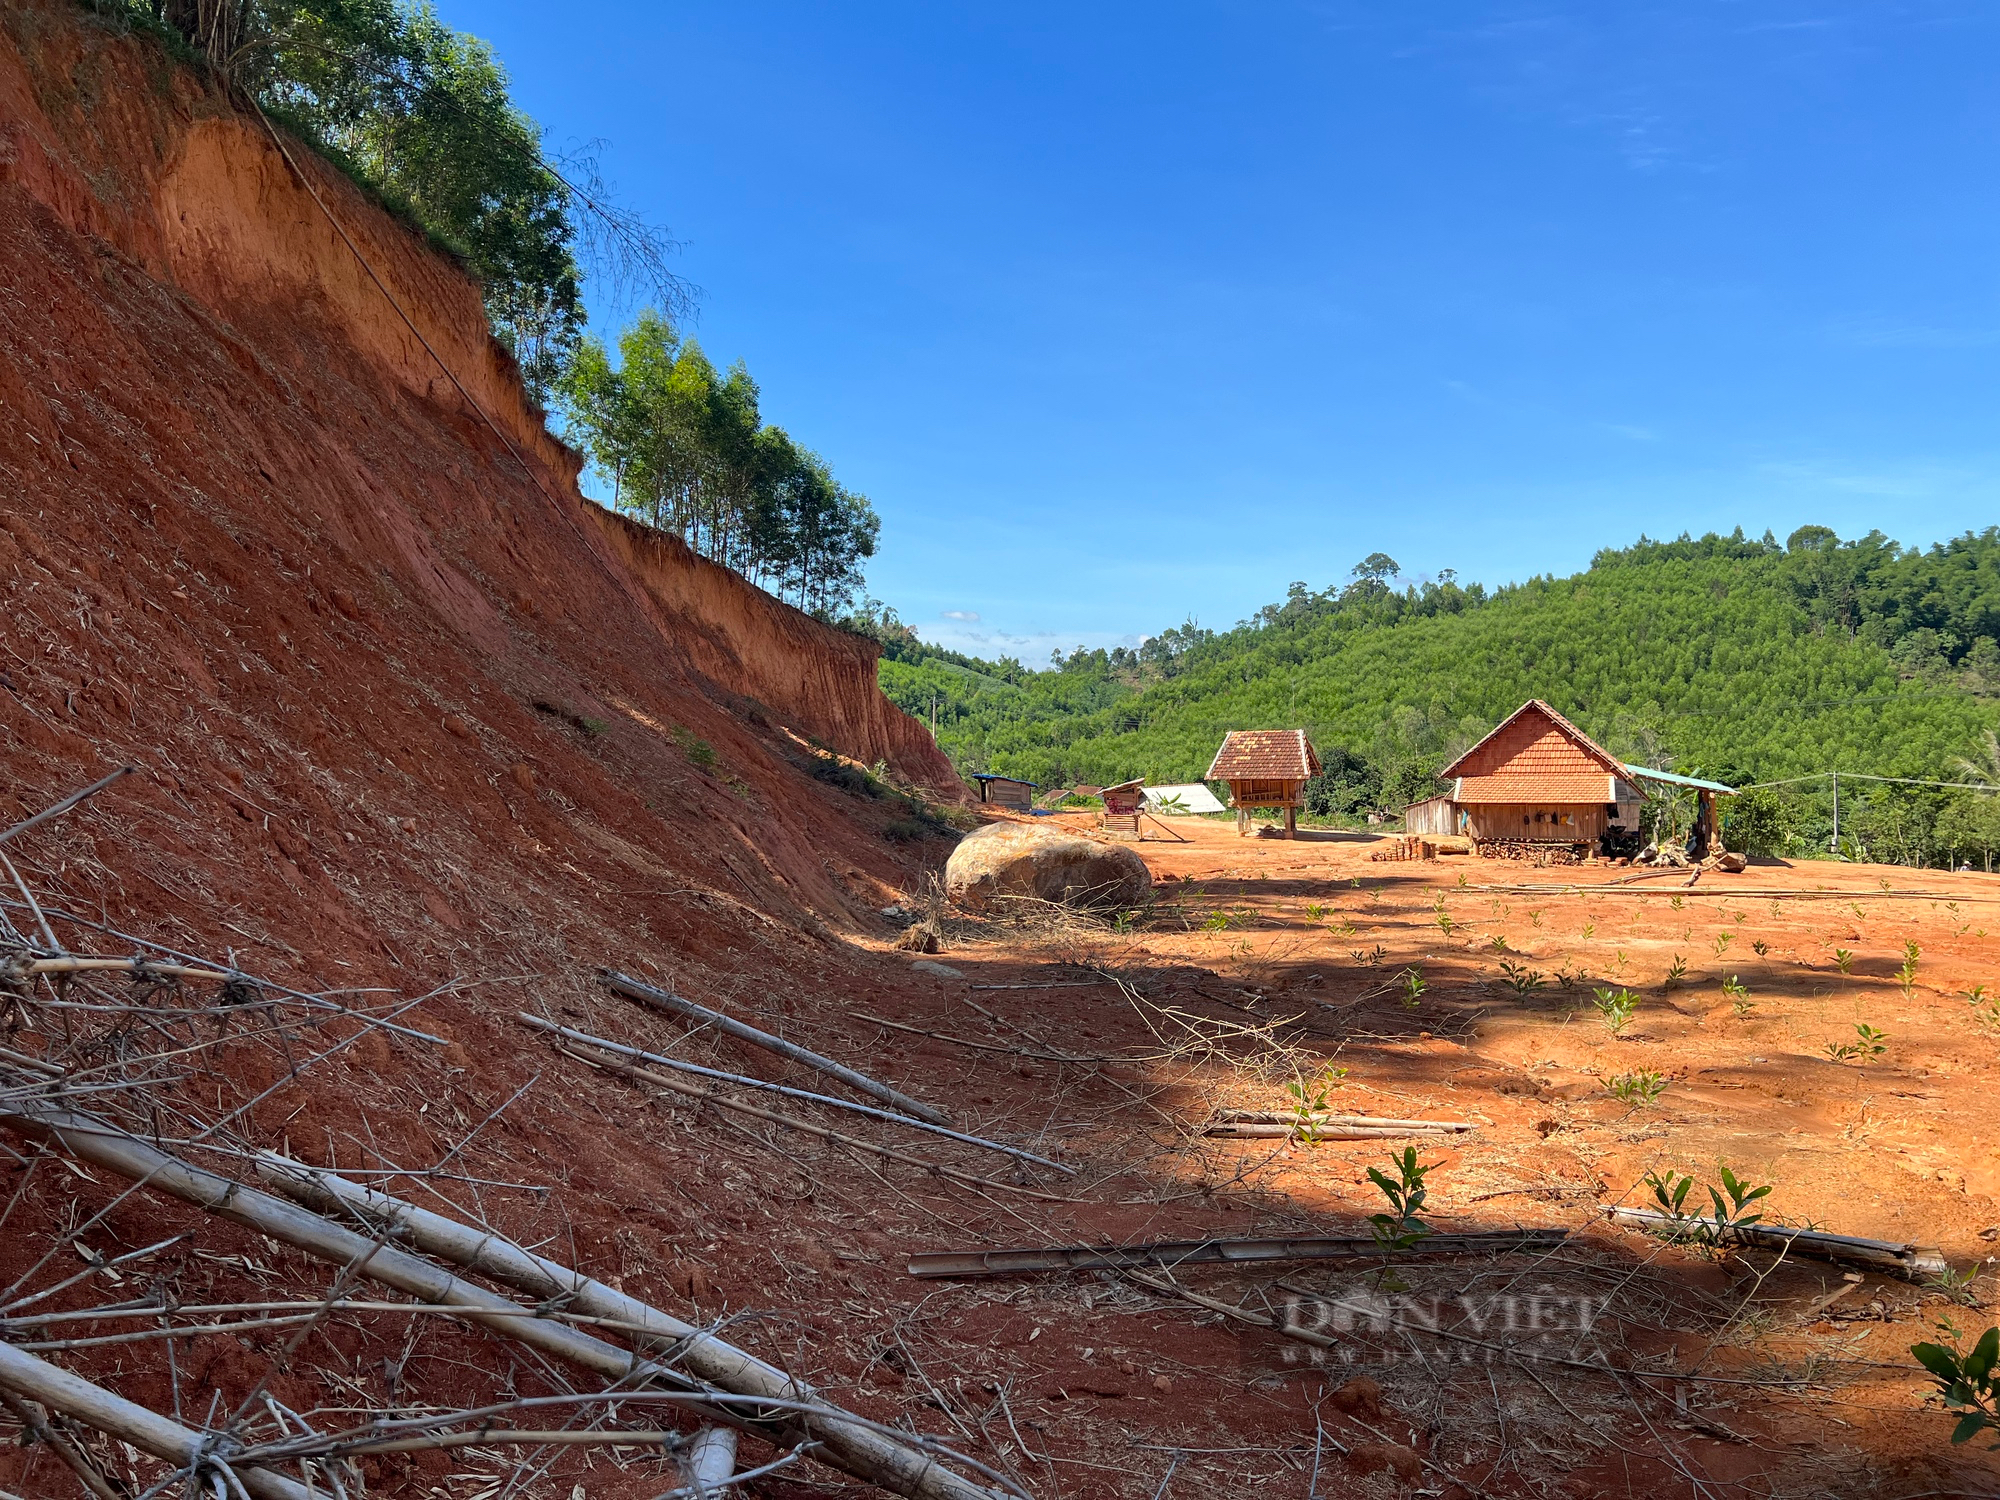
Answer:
(83, 964)
(93, 1406)
(1212, 1252)
(915, 1473)
(571, 1034)
(792, 1122)
(866, 1454)
(1292, 1117)
(1906, 1259)
(674, 1004)
(1251, 1131)
(711, 1458)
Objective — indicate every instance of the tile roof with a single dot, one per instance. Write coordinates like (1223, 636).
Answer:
(1264, 755)
(1536, 756)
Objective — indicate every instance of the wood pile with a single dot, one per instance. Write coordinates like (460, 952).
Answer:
(1406, 847)
(1532, 852)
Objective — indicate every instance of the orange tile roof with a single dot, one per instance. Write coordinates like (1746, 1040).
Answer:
(1264, 755)
(1536, 756)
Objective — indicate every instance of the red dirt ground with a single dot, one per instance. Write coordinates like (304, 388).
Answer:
(410, 722)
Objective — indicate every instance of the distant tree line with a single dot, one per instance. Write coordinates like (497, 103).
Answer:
(422, 117)
(1746, 660)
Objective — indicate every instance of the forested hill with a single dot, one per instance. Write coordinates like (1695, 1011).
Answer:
(1744, 659)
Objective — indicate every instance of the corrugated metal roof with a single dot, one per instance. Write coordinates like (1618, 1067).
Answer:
(1647, 773)
(995, 776)
(1264, 755)
(1192, 795)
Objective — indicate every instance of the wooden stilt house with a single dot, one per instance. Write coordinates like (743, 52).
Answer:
(1536, 788)
(1265, 768)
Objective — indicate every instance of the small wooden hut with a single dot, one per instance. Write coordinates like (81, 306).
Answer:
(1121, 807)
(1535, 788)
(1006, 791)
(1265, 768)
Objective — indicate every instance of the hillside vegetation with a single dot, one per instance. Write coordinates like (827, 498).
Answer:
(1742, 659)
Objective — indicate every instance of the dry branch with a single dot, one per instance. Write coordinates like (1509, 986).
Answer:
(1906, 1259)
(903, 1469)
(95, 1407)
(792, 1122)
(571, 1034)
(1195, 1252)
(674, 1004)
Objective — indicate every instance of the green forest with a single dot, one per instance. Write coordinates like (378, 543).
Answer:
(1749, 661)
(422, 117)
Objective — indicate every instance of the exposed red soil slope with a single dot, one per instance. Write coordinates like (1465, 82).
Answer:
(407, 720)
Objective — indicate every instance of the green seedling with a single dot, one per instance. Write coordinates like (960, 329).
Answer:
(1368, 956)
(1636, 1088)
(1738, 993)
(1670, 1192)
(1617, 1008)
(1760, 947)
(1216, 921)
(1315, 912)
(1521, 979)
(1722, 940)
(1907, 975)
(1444, 921)
(1976, 995)
(1498, 942)
(1966, 1381)
(1954, 1286)
(1678, 903)
(1413, 986)
(1676, 972)
(1843, 960)
(1870, 1044)
(1589, 930)
(1534, 918)
(1400, 1228)
(1309, 1102)
(1740, 1195)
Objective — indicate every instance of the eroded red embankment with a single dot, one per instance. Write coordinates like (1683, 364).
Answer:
(404, 714)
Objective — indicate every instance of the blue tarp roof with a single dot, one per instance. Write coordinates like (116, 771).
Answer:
(1647, 773)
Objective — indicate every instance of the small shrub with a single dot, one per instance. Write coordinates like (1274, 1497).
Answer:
(835, 772)
(1400, 1228)
(1738, 993)
(1617, 1008)
(1966, 1381)
(1413, 986)
(1907, 975)
(1870, 1044)
(1731, 1204)
(698, 750)
(908, 830)
(1636, 1088)
(1521, 979)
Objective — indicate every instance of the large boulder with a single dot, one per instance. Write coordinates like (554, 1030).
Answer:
(1004, 860)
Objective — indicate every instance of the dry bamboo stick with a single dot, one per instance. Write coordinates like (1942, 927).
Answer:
(1255, 1132)
(65, 805)
(667, 1001)
(34, 1064)
(1907, 1259)
(978, 1046)
(1223, 1252)
(1295, 1117)
(869, 1455)
(792, 1122)
(571, 1034)
(711, 1458)
(84, 964)
(93, 1406)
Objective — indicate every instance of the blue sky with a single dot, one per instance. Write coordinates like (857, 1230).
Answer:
(1125, 313)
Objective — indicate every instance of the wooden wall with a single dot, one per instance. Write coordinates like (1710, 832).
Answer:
(1265, 793)
(1437, 816)
(1563, 823)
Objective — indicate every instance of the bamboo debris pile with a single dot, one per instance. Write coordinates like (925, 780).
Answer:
(156, 1074)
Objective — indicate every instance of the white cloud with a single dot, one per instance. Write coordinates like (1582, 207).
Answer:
(969, 616)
